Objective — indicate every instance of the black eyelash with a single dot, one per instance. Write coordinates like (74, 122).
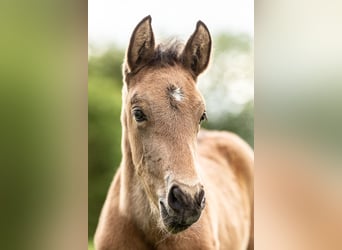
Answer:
(139, 116)
(204, 117)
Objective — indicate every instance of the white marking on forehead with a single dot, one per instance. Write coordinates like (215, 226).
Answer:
(177, 94)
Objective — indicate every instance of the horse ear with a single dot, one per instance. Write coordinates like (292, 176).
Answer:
(197, 50)
(141, 46)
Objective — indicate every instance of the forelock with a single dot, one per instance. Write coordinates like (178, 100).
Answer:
(165, 54)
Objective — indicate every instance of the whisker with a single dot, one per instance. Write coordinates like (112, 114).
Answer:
(164, 238)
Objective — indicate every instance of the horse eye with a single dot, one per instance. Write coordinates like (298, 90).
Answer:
(139, 116)
(204, 117)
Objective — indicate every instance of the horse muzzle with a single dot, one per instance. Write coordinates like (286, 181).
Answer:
(181, 209)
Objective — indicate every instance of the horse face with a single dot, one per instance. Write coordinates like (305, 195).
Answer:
(163, 115)
(162, 111)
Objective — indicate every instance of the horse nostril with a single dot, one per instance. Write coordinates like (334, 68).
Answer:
(201, 198)
(176, 198)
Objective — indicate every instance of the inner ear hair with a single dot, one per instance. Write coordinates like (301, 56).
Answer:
(196, 54)
(141, 46)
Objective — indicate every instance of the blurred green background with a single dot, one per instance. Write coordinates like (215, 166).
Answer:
(227, 86)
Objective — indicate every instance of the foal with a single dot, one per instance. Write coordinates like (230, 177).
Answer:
(177, 187)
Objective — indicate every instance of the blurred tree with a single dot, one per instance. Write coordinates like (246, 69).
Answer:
(104, 128)
(107, 64)
(228, 86)
(232, 42)
(241, 123)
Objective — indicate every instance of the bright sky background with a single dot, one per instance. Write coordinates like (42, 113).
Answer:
(113, 21)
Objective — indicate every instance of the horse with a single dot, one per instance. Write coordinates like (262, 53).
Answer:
(178, 186)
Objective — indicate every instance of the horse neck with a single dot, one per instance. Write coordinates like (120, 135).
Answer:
(134, 201)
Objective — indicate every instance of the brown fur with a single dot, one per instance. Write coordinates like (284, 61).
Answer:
(166, 149)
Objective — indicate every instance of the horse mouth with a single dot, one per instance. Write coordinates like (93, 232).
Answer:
(173, 223)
